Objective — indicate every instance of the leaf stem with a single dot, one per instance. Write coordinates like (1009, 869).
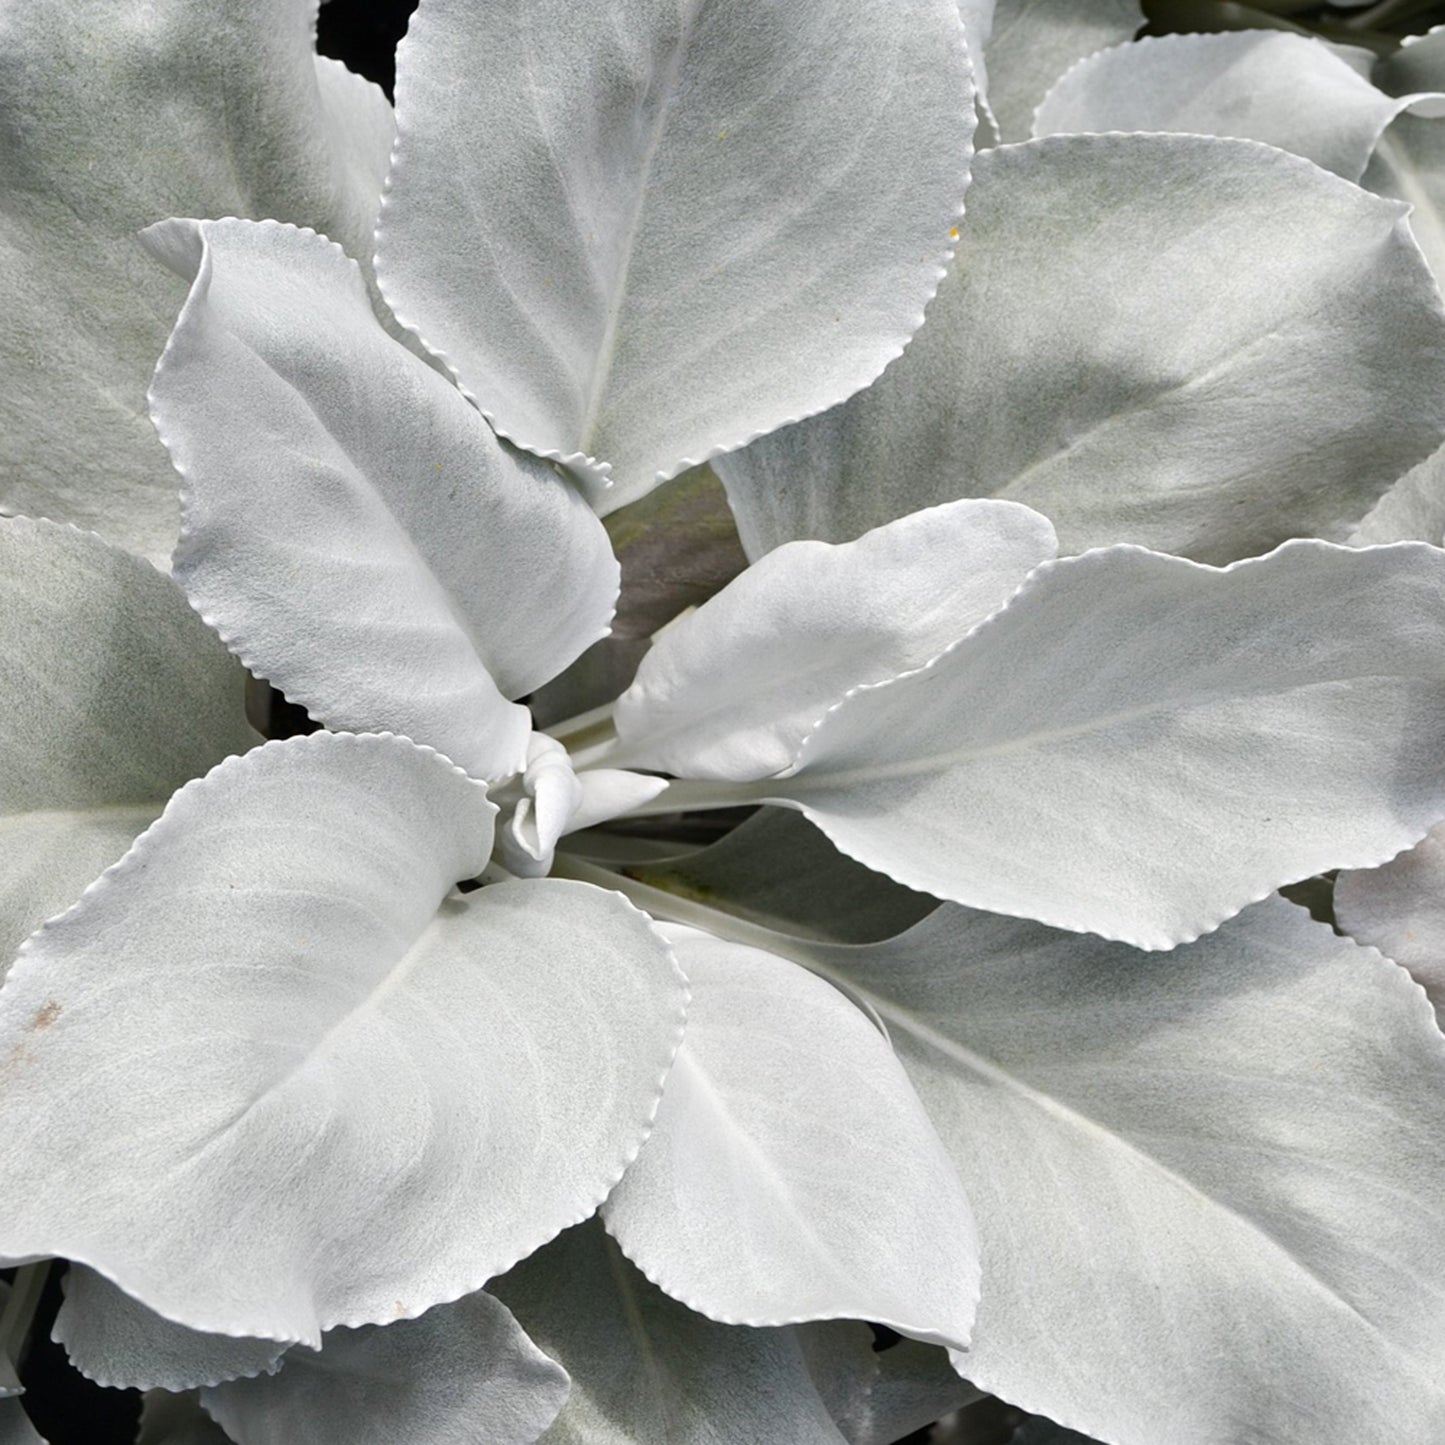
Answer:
(688, 795)
(672, 908)
(586, 727)
(1384, 13)
(17, 1318)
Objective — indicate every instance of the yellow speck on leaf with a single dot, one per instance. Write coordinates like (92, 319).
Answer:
(722, 135)
(953, 234)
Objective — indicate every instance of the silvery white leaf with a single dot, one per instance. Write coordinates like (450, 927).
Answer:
(778, 870)
(1217, 1172)
(1139, 746)
(608, 792)
(977, 17)
(1033, 42)
(329, 1122)
(645, 233)
(115, 114)
(462, 1373)
(116, 1341)
(1413, 510)
(1409, 165)
(731, 690)
(644, 1368)
(15, 1426)
(115, 694)
(1289, 91)
(351, 526)
(168, 1419)
(1418, 65)
(1400, 909)
(538, 808)
(1237, 349)
(786, 1120)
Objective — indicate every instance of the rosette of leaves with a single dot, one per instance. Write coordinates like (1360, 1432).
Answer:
(1048, 671)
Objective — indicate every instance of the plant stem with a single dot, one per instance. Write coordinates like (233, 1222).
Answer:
(1384, 13)
(688, 795)
(671, 908)
(17, 1318)
(577, 730)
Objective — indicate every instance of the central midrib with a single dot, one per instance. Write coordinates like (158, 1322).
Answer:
(607, 346)
(938, 1042)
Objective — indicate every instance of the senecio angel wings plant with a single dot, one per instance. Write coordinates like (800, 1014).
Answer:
(1090, 487)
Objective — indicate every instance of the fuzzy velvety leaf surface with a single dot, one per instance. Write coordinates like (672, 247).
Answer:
(1032, 43)
(462, 1374)
(1413, 510)
(731, 690)
(351, 526)
(260, 1076)
(115, 694)
(1138, 745)
(643, 1367)
(1235, 349)
(646, 233)
(1285, 90)
(116, 1341)
(1409, 163)
(1229, 1152)
(1400, 909)
(786, 1121)
(115, 114)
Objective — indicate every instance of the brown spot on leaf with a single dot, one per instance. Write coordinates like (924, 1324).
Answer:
(45, 1017)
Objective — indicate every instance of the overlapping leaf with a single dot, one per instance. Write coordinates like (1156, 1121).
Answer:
(1138, 746)
(1409, 163)
(1212, 1178)
(1032, 42)
(351, 526)
(270, 1079)
(642, 234)
(168, 1419)
(645, 1368)
(1413, 510)
(462, 1372)
(1201, 345)
(1286, 90)
(1400, 909)
(786, 1119)
(15, 1426)
(115, 114)
(114, 695)
(732, 690)
(116, 1341)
